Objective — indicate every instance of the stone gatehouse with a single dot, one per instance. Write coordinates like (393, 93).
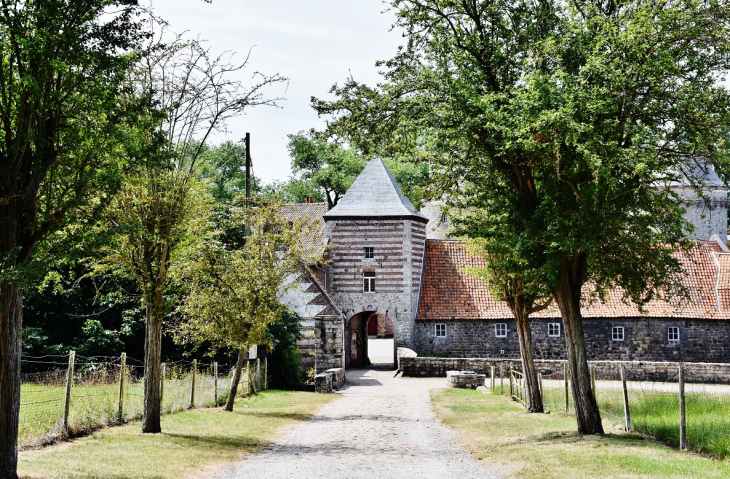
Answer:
(392, 270)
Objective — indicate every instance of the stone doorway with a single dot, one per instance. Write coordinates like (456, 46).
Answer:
(365, 328)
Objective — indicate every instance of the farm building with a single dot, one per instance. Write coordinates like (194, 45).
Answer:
(393, 271)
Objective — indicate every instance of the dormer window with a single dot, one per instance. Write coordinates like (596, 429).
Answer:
(368, 282)
(369, 252)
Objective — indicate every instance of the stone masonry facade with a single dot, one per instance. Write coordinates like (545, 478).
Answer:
(397, 249)
(643, 338)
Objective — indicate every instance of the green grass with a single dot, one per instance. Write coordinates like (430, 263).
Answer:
(656, 413)
(192, 443)
(497, 430)
(97, 404)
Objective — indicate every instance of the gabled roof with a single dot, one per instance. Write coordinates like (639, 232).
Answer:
(374, 193)
(448, 292)
(311, 214)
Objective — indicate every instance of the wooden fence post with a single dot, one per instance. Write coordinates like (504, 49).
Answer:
(266, 373)
(493, 379)
(215, 384)
(511, 391)
(258, 375)
(539, 383)
(248, 377)
(501, 379)
(162, 383)
(69, 383)
(593, 379)
(192, 387)
(627, 414)
(565, 375)
(122, 367)
(682, 416)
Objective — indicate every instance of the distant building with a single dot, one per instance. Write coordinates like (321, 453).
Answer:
(393, 270)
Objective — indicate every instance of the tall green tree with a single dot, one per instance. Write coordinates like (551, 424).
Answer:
(327, 166)
(161, 206)
(585, 110)
(61, 123)
(233, 293)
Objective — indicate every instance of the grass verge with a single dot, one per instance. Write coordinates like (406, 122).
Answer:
(192, 442)
(546, 445)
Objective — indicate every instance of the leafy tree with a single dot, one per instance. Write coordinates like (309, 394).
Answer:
(62, 121)
(162, 208)
(328, 166)
(224, 165)
(233, 293)
(584, 110)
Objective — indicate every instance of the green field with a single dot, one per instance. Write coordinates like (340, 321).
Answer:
(96, 405)
(656, 413)
(192, 444)
(521, 445)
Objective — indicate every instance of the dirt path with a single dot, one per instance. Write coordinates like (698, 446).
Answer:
(381, 428)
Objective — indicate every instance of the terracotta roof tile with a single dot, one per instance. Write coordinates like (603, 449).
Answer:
(448, 292)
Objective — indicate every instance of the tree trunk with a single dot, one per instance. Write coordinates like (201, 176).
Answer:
(567, 296)
(533, 399)
(234, 382)
(11, 321)
(152, 363)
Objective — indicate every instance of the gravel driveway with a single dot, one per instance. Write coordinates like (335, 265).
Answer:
(381, 428)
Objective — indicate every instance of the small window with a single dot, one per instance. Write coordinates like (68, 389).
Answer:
(369, 252)
(500, 330)
(617, 333)
(440, 330)
(554, 330)
(673, 334)
(368, 282)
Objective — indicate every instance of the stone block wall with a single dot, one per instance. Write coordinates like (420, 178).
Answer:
(645, 339)
(714, 373)
(397, 263)
(329, 334)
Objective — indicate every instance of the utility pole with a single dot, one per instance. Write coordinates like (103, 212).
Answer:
(248, 169)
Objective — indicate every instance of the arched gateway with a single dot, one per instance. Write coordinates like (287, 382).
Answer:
(366, 328)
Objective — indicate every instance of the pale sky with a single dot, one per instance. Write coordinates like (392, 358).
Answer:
(314, 43)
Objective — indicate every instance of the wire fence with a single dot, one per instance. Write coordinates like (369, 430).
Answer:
(69, 395)
(682, 410)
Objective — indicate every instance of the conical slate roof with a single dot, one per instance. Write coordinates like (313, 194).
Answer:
(374, 193)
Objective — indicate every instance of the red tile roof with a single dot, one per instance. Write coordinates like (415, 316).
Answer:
(448, 292)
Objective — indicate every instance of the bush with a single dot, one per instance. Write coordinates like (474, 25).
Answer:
(285, 365)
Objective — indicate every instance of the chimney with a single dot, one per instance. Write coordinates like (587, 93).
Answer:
(309, 199)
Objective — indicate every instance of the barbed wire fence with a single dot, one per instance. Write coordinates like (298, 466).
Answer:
(70, 395)
(683, 409)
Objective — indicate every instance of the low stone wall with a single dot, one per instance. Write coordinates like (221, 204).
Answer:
(718, 373)
(465, 379)
(330, 380)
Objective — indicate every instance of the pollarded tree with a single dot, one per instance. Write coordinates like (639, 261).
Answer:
(233, 293)
(193, 94)
(585, 110)
(62, 122)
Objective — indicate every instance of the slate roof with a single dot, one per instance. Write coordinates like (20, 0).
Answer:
(374, 194)
(448, 292)
(309, 213)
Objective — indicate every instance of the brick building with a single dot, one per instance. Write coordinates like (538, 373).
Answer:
(393, 271)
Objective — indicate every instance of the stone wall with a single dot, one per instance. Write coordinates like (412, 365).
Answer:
(645, 339)
(606, 370)
(329, 334)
